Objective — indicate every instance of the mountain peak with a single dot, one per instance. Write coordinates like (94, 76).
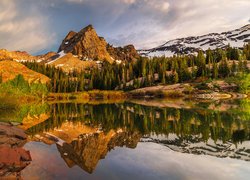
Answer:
(90, 26)
(87, 28)
(87, 45)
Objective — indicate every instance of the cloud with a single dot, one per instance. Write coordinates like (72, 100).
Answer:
(37, 25)
(75, 1)
(23, 30)
(182, 18)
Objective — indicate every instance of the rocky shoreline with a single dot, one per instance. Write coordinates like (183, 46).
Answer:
(14, 158)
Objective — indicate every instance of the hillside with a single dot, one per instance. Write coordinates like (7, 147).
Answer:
(10, 69)
(69, 63)
(236, 38)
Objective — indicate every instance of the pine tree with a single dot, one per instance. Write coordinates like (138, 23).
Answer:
(234, 68)
(215, 70)
(224, 69)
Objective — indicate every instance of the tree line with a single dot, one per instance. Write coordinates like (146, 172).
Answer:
(145, 71)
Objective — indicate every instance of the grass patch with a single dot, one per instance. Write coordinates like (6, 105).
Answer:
(87, 95)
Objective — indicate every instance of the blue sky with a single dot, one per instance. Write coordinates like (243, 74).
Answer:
(38, 26)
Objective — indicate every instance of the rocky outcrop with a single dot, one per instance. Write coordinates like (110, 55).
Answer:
(87, 45)
(126, 53)
(13, 158)
(46, 57)
(11, 135)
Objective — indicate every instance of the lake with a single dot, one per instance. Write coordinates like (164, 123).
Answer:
(139, 139)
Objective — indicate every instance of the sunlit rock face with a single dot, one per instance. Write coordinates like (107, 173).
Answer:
(87, 45)
(13, 158)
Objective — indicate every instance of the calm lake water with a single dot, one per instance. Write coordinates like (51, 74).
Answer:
(138, 140)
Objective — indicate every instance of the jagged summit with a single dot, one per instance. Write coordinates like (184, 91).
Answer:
(88, 28)
(236, 38)
(87, 45)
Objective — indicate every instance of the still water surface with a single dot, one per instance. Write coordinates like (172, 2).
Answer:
(139, 140)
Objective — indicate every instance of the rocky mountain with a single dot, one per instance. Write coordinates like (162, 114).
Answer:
(236, 38)
(87, 45)
(10, 69)
(78, 50)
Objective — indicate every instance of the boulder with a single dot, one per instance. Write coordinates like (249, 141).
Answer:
(13, 157)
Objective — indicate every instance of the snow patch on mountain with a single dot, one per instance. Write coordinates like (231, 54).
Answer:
(189, 45)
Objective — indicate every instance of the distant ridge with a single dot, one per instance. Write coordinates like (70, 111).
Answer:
(236, 38)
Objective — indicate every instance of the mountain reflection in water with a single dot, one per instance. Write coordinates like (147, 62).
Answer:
(85, 133)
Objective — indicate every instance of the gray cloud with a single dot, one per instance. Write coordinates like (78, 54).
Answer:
(23, 29)
(40, 25)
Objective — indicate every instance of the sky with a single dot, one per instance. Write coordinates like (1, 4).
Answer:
(39, 26)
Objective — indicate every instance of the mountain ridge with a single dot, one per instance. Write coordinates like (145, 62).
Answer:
(192, 44)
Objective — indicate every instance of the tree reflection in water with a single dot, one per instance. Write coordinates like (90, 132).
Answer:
(85, 133)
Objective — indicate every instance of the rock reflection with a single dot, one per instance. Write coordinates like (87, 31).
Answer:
(87, 150)
(84, 145)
